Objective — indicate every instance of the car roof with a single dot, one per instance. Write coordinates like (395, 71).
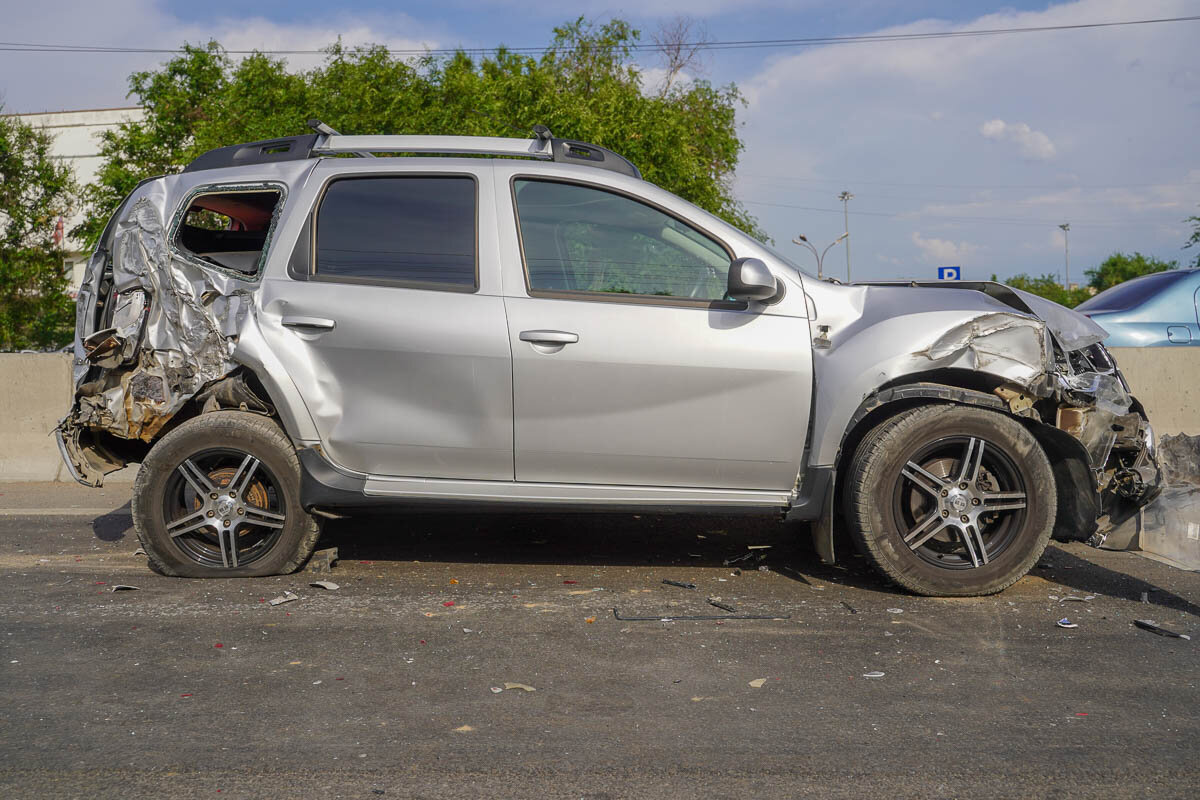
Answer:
(543, 147)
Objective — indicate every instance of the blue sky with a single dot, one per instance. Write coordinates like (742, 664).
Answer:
(964, 151)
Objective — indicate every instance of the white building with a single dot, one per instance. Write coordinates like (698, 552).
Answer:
(76, 141)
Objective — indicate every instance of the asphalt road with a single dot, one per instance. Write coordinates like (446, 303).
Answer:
(386, 686)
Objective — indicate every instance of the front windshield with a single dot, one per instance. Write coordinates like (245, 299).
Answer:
(1130, 293)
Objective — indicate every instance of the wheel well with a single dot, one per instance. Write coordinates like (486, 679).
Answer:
(1077, 510)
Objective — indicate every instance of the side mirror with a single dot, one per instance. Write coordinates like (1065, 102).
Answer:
(750, 280)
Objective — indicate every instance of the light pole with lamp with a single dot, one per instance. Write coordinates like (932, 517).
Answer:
(801, 239)
(1066, 229)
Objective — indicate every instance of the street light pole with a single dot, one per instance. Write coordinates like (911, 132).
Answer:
(846, 197)
(1066, 228)
(801, 239)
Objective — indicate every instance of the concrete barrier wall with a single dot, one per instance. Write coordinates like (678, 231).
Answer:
(1167, 382)
(35, 391)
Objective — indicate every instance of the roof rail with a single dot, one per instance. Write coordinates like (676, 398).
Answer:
(291, 148)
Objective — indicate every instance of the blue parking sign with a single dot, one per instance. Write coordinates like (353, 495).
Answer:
(949, 273)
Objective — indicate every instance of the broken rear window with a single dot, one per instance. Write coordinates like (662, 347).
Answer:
(229, 229)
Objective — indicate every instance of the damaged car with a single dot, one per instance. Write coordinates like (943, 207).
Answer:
(295, 329)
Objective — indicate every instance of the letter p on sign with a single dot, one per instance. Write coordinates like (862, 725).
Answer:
(949, 273)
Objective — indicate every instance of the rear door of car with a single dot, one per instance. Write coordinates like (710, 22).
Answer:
(390, 320)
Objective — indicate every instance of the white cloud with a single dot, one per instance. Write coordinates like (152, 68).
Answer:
(858, 117)
(1032, 144)
(73, 81)
(943, 252)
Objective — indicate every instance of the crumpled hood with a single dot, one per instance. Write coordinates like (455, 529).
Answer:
(1071, 329)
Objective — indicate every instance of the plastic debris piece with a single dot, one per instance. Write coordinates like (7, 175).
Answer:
(1153, 627)
(757, 683)
(122, 587)
(322, 560)
(286, 597)
(570, 582)
(875, 674)
(497, 689)
(590, 620)
(520, 686)
(218, 645)
(139, 552)
(454, 581)
(716, 601)
(680, 584)
(1066, 623)
(849, 607)
(463, 729)
(448, 603)
(758, 547)
(330, 585)
(1074, 598)
(1145, 597)
(467, 630)
(895, 610)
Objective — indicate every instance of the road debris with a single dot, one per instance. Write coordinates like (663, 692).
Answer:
(849, 607)
(680, 584)
(1153, 627)
(286, 597)
(497, 689)
(716, 601)
(330, 585)
(895, 610)
(123, 587)
(322, 561)
(1066, 623)
(698, 618)
(759, 546)
(523, 687)
(875, 674)
(757, 683)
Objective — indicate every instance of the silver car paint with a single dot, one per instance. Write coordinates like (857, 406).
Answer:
(655, 395)
(349, 390)
(409, 381)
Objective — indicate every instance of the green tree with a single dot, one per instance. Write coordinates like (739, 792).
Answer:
(1194, 239)
(1047, 286)
(584, 86)
(1120, 267)
(35, 192)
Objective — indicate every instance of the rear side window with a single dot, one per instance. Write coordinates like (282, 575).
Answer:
(417, 231)
(229, 229)
(1131, 293)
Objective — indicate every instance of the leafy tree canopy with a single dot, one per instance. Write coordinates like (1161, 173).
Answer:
(35, 192)
(584, 86)
(1047, 286)
(1194, 239)
(1120, 267)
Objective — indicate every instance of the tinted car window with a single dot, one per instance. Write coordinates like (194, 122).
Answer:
(581, 239)
(1131, 293)
(413, 230)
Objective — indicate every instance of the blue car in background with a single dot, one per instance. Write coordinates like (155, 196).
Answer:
(1160, 309)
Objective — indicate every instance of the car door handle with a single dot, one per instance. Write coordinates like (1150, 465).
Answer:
(549, 337)
(309, 323)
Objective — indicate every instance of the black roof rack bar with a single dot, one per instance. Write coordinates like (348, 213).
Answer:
(291, 148)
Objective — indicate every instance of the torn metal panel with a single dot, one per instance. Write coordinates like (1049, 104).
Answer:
(996, 342)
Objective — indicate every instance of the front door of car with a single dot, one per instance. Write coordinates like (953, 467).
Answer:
(391, 324)
(631, 366)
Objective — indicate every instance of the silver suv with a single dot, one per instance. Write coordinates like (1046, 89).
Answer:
(281, 333)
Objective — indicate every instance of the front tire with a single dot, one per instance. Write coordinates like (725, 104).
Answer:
(219, 496)
(951, 500)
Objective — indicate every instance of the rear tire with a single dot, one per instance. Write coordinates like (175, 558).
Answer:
(951, 500)
(219, 497)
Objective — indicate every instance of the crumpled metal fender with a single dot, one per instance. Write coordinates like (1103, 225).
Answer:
(200, 323)
(866, 337)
